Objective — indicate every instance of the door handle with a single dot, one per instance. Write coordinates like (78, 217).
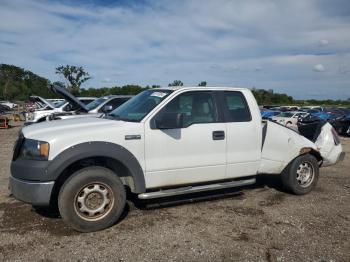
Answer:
(218, 135)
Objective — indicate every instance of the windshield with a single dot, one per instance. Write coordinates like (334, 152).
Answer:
(58, 105)
(92, 105)
(139, 106)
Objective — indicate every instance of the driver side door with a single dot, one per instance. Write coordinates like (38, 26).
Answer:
(191, 154)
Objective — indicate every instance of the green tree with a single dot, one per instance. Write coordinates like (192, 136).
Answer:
(11, 80)
(176, 83)
(59, 84)
(74, 75)
(203, 83)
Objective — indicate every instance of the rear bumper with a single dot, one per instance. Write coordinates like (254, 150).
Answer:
(35, 193)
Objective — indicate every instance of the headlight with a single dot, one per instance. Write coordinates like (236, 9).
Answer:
(35, 150)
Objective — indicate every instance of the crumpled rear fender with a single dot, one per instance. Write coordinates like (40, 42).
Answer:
(281, 145)
(330, 149)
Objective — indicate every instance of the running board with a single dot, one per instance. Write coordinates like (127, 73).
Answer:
(195, 189)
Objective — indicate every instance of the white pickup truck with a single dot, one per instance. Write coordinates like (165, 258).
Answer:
(162, 142)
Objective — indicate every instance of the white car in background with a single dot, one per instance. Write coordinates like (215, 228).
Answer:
(9, 104)
(289, 118)
(55, 101)
(48, 108)
(96, 108)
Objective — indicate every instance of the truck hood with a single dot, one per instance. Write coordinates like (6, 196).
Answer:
(69, 97)
(51, 130)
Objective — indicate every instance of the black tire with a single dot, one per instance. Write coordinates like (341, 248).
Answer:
(301, 184)
(101, 187)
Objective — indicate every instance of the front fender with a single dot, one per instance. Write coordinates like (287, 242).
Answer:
(97, 149)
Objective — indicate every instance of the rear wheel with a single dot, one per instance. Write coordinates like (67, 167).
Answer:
(301, 175)
(92, 199)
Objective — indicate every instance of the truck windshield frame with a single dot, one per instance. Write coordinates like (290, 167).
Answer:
(138, 107)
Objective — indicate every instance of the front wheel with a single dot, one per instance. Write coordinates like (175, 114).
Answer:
(301, 175)
(92, 199)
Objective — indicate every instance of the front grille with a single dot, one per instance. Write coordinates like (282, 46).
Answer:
(17, 146)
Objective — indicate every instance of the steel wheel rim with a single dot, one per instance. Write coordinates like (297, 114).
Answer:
(94, 201)
(305, 174)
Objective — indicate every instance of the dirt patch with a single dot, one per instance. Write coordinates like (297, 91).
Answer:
(246, 211)
(21, 219)
(273, 200)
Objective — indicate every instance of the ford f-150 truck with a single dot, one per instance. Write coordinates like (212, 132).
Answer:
(162, 142)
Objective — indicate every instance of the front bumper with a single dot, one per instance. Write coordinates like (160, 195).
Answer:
(32, 192)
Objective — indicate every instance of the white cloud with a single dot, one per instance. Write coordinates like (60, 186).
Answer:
(221, 42)
(324, 42)
(319, 68)
(106, 80)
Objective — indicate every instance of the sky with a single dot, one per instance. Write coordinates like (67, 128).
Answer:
(297, 47)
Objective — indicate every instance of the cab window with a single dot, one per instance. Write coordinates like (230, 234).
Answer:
(237, 109)
(196, 107)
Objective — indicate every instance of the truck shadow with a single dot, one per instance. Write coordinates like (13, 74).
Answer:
(262, 181)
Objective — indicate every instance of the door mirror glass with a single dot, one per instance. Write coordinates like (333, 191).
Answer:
(169, 120)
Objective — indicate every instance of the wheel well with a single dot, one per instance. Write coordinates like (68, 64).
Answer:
(317, 155)
(42, 119)
(117, 167)
(313, 152)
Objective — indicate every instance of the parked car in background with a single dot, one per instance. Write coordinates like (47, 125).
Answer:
(309, 119)
(96, 108)
(268, 114)
(9, 104)
(4, 108)
(288, 118)
(341, 125)
(48, 108)
(316, 108)
(55, 101)
(31, 106)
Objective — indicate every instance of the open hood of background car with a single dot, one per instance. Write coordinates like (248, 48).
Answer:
(69, 97)
(41, 101)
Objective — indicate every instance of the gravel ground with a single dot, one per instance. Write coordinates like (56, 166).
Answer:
(260, 223)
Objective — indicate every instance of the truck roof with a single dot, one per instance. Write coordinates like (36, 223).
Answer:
(173, 88)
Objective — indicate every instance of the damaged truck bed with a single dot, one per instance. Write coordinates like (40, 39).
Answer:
(318, 139)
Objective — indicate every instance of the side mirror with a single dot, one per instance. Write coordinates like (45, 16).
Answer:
(169, 121)
(107, 108)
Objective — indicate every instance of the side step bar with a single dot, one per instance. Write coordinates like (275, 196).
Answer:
(195, 189)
